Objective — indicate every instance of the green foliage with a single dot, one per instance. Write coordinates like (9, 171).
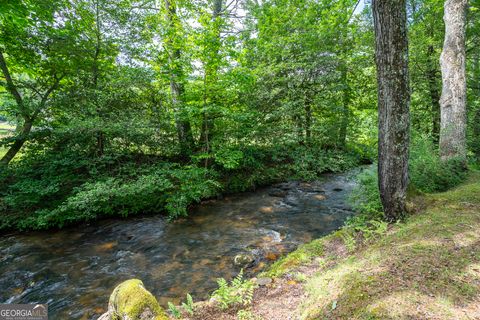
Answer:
(238, 292)
(261, 166)
(229, 158)
(365, 198)
(188, 306)
(174, 310)
(247, 315)
(428, 173)
(132, 190)
(348, 238)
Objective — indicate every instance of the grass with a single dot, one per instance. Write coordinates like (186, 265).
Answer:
(425, 268)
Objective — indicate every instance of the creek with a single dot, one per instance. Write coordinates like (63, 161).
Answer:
(74, 270)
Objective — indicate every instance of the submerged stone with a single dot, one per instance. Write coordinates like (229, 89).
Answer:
(131, 301)
(279, 193)
(244, 260)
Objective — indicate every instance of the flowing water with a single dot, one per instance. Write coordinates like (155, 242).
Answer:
(74, 270)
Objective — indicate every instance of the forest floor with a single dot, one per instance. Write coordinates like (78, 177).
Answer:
(427, 267)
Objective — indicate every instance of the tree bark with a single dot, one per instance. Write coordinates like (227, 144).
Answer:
(431, 74)
(476, 121)
(183, 126)
(391, 57)
(454, 85)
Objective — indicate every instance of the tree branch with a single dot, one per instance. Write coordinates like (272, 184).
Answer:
(10, 85)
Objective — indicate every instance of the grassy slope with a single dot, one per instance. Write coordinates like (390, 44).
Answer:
(425, 268)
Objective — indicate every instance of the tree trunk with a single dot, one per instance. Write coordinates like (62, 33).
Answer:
(454, 90)
(18, 144)
(476, 122)
(434, 95)
(308, 122)
(211, 77)
(342, 134)
(391, 57)
(183, 126)
(100, 147)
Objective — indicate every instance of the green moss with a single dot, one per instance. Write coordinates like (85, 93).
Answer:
(130, 299)
(302, 255)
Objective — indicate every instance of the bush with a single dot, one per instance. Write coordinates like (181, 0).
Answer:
(167, 187)
(55, 188)
(62, 191)
(428, 173)
(365, 198)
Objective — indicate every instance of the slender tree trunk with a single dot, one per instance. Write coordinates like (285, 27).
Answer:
(454, 90)
(432, 79)
(391, 56)
(345, 120)
(27, 115)
(27, 126)
(18, 144)
(100, 148)
(183, 126)
(476, 122)
(308, 121)
(211, 77)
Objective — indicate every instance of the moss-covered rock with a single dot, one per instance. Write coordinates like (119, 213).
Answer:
(131, 301)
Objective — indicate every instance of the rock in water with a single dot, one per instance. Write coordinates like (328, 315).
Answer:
(244, 260)
(131, 301)
(279, 193)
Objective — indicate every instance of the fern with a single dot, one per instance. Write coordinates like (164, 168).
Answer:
(239, 291)
(189, 308)
(173, 310)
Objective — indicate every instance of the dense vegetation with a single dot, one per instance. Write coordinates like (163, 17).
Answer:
(123, 107)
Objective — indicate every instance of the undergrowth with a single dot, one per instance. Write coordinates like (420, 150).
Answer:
(47, 189)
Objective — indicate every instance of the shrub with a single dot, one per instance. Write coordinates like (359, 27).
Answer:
(428, 173)
(168, 187)
(365, 198)
(64, 190)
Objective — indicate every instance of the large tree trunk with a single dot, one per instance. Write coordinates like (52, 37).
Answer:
(183, 126)
(391, 58)
(454, 90)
